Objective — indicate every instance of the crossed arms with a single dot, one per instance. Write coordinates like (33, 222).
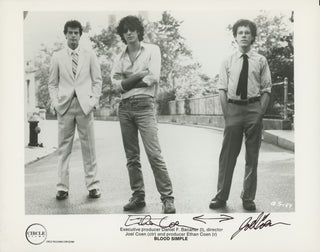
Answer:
(130, 81)
(144, 72)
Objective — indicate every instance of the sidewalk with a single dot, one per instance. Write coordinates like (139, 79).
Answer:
(49, 137)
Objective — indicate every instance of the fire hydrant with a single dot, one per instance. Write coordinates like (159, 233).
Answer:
(34, 130)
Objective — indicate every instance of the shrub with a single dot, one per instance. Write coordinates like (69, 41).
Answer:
(163, 101)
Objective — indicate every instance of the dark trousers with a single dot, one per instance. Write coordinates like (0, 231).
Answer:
(138, 115)
(240, 120)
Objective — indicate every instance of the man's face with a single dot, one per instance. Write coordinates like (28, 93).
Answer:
(73, 37)
(131, 36)
(244, 36)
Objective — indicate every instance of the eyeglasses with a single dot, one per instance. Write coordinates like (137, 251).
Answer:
(125, 30)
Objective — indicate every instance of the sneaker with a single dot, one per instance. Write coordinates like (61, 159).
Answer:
(168, 207)
(61, 195)
(217, 203)
(249, 205)
(94, 193)
(134, 203)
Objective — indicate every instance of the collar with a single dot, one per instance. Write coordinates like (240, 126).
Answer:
(142, 45)
(239, 54)
(70, 51)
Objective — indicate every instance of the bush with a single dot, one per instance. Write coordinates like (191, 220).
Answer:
(163, 101)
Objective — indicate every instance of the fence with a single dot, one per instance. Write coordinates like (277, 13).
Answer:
(209, 105)
(281, 105)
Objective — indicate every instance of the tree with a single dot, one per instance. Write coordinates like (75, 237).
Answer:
(275, 42)
(107, 45)
(42, 64)
(210, 85)
(166, 35)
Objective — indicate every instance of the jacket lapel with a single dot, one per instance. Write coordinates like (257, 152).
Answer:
(68, 63)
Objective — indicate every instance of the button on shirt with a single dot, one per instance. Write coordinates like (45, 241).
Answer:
(259, 77)
(148, 58)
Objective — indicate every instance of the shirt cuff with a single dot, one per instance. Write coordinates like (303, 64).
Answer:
(117, 85)
(266, 90)
(149, 80)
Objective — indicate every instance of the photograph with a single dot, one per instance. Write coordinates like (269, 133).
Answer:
(94, 124)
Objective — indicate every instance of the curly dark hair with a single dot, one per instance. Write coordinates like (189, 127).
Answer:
(72, 24)
(244, 22)
(131, 23)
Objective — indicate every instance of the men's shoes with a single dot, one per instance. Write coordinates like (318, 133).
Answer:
(94, 193)
(134, 204)
(217, 203)
(168, 207)
(61, 195)
(249, 205)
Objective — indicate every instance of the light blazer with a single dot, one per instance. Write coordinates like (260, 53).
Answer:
(86, 84)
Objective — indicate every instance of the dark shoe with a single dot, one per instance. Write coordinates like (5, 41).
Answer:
(168, 207)
(61, 195)
(217, 203)
(134, 203)
(94, 193)
(249, 205)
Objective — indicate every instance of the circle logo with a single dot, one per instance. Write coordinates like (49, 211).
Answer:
(36, 234)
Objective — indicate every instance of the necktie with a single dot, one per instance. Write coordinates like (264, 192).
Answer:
(242, 88)
(74, 63)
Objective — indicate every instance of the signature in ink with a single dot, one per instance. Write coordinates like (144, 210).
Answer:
(260, 222)
(148, 220)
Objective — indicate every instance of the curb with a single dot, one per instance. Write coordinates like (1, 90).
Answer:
(279, 141)
(194, 125)
(266, 136)
(41, 157)
(53, 151)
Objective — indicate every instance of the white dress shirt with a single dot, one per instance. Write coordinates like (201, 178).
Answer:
(259, 77)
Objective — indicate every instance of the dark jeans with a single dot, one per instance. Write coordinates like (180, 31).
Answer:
(138, 115)
(240, 121)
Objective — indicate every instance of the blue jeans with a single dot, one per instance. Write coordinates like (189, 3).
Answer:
(137, 114)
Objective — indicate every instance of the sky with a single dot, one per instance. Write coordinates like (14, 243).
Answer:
(206, 33)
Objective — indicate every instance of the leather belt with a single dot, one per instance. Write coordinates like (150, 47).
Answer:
(244, 102)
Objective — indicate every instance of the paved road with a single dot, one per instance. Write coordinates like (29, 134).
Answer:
(191, 155)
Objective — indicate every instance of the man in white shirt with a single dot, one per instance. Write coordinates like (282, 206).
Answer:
(244, 88)
(136, 73)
